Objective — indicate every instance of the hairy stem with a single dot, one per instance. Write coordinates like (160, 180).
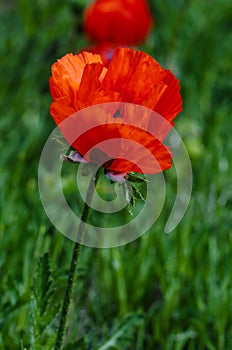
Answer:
(73, 266)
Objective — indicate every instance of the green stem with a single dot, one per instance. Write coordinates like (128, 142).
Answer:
(73, 265)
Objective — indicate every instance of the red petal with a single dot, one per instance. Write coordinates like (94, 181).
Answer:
(136, 76)
(90, 90)
(67, 73)
(61, 109)
(170, 104)
(123, 148)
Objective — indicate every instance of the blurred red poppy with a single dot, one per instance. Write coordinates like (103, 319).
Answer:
(119, 21)
(80, 81)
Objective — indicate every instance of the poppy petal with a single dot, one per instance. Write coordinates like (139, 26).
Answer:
(61, 109)
(123, 144)
(90, 91)
(140, 82)
(67, 73)
(170, 104)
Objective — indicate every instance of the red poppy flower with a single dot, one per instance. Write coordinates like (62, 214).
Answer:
(132, 79)
(119, 21)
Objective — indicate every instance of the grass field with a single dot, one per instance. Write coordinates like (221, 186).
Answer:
(162, 291)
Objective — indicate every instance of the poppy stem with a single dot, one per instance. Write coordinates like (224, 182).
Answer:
(73, 266)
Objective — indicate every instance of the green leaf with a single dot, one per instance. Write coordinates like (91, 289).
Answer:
(131, 195)
(136, 193)
(44, 306)
(42, 283)
(124, 334)
(134, 177)
(128, 196)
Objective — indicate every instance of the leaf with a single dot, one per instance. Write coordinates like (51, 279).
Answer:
(137, 194)
(42, 283)
(128, 196)
(131, 195)
(134, 177)
(44, 306)
(124, 333)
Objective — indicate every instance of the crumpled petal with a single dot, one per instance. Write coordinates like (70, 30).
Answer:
(67, 73)
(141, 82)
(74, 157)
(116, 177)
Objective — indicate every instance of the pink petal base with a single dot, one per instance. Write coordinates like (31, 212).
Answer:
(116, 177)
(76, 157)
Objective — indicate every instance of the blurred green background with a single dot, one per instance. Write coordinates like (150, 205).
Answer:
(167, 292)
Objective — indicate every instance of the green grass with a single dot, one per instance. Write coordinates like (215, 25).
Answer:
(167, 292)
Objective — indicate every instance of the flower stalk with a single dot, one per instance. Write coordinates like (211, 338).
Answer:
(74, 263)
